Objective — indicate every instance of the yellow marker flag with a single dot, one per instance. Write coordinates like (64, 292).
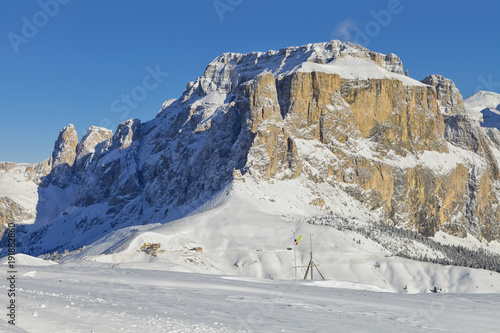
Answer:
(298, 240)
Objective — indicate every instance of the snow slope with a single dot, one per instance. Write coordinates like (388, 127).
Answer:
(24, 259)
(357, 69)
(249, 234)
(98, 298)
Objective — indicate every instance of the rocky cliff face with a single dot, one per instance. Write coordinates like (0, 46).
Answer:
(332, 115)
(12, 212)
(449, 98)
(63, 157)
(18, 191)
(86, 149)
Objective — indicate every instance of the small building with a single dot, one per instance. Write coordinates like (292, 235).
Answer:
(151, 248)
(155, 246)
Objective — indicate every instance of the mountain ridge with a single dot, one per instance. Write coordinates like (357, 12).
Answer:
(369, 131)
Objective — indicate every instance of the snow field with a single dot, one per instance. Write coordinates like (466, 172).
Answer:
(91, 297)
(240, 237)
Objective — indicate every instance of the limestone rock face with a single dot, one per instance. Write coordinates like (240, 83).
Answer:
(483, 179)
(18, 191)
(6, 166)
(65, 147)
(391, 62)
(112, 172)
(431, 202)
(450, 99)
(87, 147)
(341, 116)
(38, 172)
(494, 135)
(399, 118)
(467, 134)
(12, 212)
(63, 156)
(399, 148)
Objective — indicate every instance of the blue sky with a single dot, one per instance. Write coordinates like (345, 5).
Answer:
(83, 56)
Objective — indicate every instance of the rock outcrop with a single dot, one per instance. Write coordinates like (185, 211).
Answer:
(63, 157)
(450, 99)
(88, 145)
(12, 212)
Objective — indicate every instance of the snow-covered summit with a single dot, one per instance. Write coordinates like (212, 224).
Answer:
(484, 106)
(230, 69)
(355, 68)
(482, 100)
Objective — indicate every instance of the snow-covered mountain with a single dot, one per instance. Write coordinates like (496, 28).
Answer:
(326, 127)
(484, 106)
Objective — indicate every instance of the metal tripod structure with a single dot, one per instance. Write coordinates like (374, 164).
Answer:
(311, 265)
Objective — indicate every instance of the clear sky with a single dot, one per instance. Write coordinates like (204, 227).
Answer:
(69, 61)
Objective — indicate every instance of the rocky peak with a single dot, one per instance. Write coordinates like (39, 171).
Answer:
(63, 156)
(127, 132)
(167, 103)
(87, 147)
(484, 106)
(391, 62)
(65, 147)
(483, 100)
(449, 98)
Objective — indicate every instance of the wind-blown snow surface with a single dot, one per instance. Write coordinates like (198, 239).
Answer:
(357, 69)
(92, 298)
